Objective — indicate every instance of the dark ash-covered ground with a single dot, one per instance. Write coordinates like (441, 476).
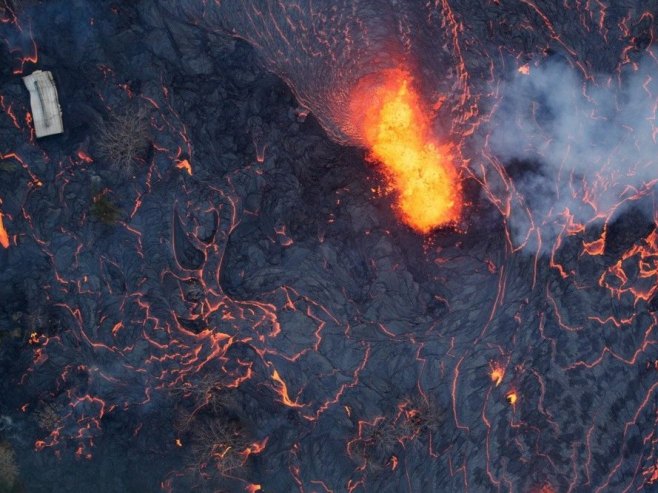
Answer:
(262, 319)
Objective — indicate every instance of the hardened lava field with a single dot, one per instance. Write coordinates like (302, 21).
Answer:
(337, 246)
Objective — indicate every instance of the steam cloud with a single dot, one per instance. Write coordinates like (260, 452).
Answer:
(584, 148)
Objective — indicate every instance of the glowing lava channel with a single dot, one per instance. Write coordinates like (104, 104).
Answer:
(4, 237)
(391, 121)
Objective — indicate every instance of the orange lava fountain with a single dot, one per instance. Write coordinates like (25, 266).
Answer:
(390, 119)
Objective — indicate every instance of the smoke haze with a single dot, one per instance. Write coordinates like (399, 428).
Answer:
(576, 149)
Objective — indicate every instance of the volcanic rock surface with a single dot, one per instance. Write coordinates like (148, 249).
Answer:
(241, 309)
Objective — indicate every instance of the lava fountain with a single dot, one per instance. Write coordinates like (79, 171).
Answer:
(388, 115)
(350, 64)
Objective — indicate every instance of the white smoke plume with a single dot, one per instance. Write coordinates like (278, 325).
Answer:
(576, 146)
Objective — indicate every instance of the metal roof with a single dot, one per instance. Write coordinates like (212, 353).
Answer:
(46, 112)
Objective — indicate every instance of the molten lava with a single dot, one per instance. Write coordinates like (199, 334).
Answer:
(390, 119)
(4, 237)
(497, 373)
(511, 398)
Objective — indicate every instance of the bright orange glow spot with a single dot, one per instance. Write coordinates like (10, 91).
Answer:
(392, 122)
(497, 374)
(524, 69)
(512, 398)
(4, 237)
(179, 443)
(185, 164)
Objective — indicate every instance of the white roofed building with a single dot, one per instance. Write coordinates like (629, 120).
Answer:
(46, 112)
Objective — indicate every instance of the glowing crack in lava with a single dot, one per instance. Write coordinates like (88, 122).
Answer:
(4, 237)
(390, 119)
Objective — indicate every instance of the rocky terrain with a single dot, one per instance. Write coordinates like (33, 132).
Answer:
(204, 287)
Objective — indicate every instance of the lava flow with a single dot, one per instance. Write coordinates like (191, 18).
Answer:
(4, 237)
(227, 310)
(391, 120)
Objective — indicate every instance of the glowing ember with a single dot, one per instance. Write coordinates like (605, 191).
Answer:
(185, 165)
(497, 373)
(391, 120)
(511, 398)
